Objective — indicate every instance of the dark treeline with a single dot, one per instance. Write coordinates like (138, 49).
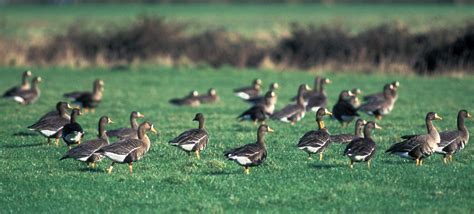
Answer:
(231, 1)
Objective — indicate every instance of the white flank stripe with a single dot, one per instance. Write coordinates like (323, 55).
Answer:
(115, 157)
(188, 147)
(315, 109)
(18, 99)
(49, 132)
(241, 160)
(242, 95)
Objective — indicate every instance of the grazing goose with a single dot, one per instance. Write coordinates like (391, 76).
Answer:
(380, 96)
(129, 150)
(379, 108)
(347, 138)
(262, 100)
(417, 147)
(454, 141)
(316, 141)
(253, 154)
(210, 97)
(51, 126)
(190, 100)
(86, 99)
(344, 111)
(131, 132)
(72, 132)
(319, 99)
(193, 140)
(362, 149)
(25, 85)
(250, 91)
(88, 151)
(294, 112)
(262, 111)
(31, 95)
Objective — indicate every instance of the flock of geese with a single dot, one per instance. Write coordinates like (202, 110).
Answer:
(133, 143)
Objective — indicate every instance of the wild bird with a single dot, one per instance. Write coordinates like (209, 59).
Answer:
(293, 113)
(362, 149)
(379, 108)
(129, 150)
(123, 133)
(25, 85)
(210, 97)
(261, 111)
(454, 141)
(51, 125)
(316, 141)
(354, 100)
(193, 140)
(344, 111)
(72, 132)
(319, 99)
(88, 151)
(380, 96)
(26, 97)
(347, 138)
(418, 147)
(310, 92)
(250, 155)
(86, 99)
(189, 100)
(249, 91)
(262, 100)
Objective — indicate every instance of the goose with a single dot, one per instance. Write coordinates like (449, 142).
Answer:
(51, 126)
(319, 99)
(210, 97)
(316, 141)
(249, 91)
(294, 112)
(86, 99)
(380, 96)
(190, 100)
(344, 111)
(131, 132)
(31, 95)
(72, 132)
(193, 140)
(261, 100)
(260, 112)
(347, 138)
(25, 85)
(362, 149)
(454, 141)
(379, 108)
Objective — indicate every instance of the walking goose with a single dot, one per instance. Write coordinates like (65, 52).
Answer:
(316, 141)
(72, 132)
(51, 126)
(193, 140)
(362, 149)
(454, 141)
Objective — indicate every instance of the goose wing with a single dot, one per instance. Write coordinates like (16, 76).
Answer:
(288, 111)
(448, 138)
(188, 139)
(251, 151)
(315, 139)
(121, 149)
(75, 94)
(123, 133)
(343, 138)
(84, 150)
(50, 123)
(12, 91)
(408, 145)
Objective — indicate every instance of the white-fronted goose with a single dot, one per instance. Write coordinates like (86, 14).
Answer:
(25, 85)
(454, 141)
(344, 111)
(347, 138)
(129, 150)
(51, 126)
(380, 96)
(131, 132)
(379, 108)
(250, 91)
(31, 95)
(294, 112)
(72, 132)
(354, 100)
(316, 141)
(261, 111)
(86, 99)
(263, 100)
(310, 92)
(190, 100)
(253, 154)
(362, 149)
(61, 108)
(88, 151)
(417, 147)
(319, 99)
(210, 97)
(193, 140)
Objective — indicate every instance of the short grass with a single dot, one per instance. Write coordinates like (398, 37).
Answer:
(167, 180)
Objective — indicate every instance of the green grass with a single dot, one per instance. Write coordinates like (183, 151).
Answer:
(248, 19)
(167, 180)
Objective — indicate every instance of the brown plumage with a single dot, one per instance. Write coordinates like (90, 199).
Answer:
(362, 149)
(26, 97)
(316, 141)
(193, 140)
(347, 138)
(454, 141)
(190, 100)
(51, 126)
(86, 99)
(210, 97)
(319, 99)
(292, 113)
(344, 110)
(382, 107)
(131, 132)
(250, 91)
(25, 85)
(380, 96)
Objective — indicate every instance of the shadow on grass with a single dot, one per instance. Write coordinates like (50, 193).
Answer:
(325, 165)
(24, 134)
(220, 173)
(241, 127)
(95, 170)
(17, 146)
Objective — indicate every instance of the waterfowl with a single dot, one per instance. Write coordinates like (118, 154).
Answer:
(418, 147)
(362, 149)
(319, 99)
(61, 108)
(354, 100)
(88, 151)
(380, 96)
(294, 112)
(454, 141)
(253, 154)
(379, 108)
(344, 111)
(51, 125)
(310, 92)
(193, 140)
(262, 100)
(316, 141)
(86, 99)
(210, 97)
(190, 100)
(25, 85)
(129, 150)
(347, 138)
(31, 95)
(131, 132)
(72, 132)
(261, 111)
(250, 91)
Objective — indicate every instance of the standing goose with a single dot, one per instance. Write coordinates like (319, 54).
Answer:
(294, 112)
(129, 150)
(344, 111)
(250, 91)
(380, 96)
(210, 97)
(31, 95)
(51, 126)
(417, 147)
(25, 85)
(309, 93)
(316, 141)
(362, 149)
(346, 138)
(190, 100)
(262, 100)
(454, 141)
(88, 151)
(193, 140)
(253, 154)
(383, 107)
(260, 112)
(60, 107)
(72, 132)
(86, 99)
(354, 100)
(131, 132)
(319, 99)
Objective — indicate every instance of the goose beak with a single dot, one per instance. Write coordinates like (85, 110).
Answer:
(153, 130)
(28, 73)
(328, 81)
(69, 106)
(328, 113)
(377, 126)
(438, 117)
(350, 93)
(139, 115)
(110, 121)
(397, 84)
(364, 122)
(469, 115)
(276, 85)
(270, 130)
(39, 79)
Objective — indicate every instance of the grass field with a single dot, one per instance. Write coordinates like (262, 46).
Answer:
(167, 180)
(248, 19)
